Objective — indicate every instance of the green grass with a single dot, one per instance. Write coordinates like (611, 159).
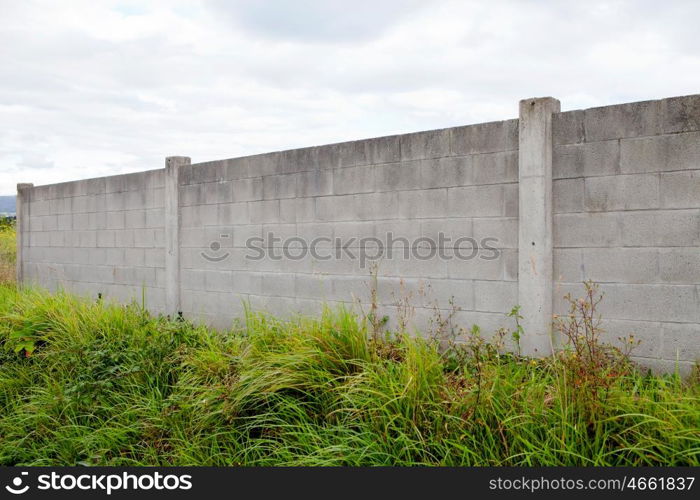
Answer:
(111, 385)
(7, 250)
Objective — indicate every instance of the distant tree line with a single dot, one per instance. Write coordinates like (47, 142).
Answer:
(7, 221)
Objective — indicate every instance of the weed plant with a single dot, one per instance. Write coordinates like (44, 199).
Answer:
(94, 383)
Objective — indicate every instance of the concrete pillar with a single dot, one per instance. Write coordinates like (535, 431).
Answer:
(172, 232)
(22, 227)
(535, 224)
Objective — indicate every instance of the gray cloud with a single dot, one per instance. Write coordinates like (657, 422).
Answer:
(95, 88)
(328, 21)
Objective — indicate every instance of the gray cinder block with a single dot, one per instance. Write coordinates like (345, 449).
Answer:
(622, 192)
(620, 265)
(503, 230)
(315, 183)
(476, 201)
(567, 195)
(650, 302)
(421, 145)
(623, 120)
(485, 137)
(250, 189)
(264, 211)
(587, 229)
(276, 187)
(679, 265)
(661, 228)
(495, 168)
(447, 172)
(681, 114)
(423, 203)
(681, 341)
(231, 214)
(106, 238)
(399, 176)
(567, 128)
(680, 189)
(495, 296)
(661, 153)
(583, 160)
(568, 265)
(350, 180)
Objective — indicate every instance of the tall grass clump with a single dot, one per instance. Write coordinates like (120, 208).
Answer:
(93, 383)
(8, 250)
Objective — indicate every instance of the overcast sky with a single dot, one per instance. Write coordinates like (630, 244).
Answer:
(91, 88)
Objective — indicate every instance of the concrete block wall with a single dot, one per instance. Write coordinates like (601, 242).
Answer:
(460, 181)
(610, 194)
(100, 236)
(626, 183)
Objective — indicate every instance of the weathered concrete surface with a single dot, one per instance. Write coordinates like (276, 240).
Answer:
(172, 232)
(610, 194)
(535, 213)
(101, 236)
(627, 215)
